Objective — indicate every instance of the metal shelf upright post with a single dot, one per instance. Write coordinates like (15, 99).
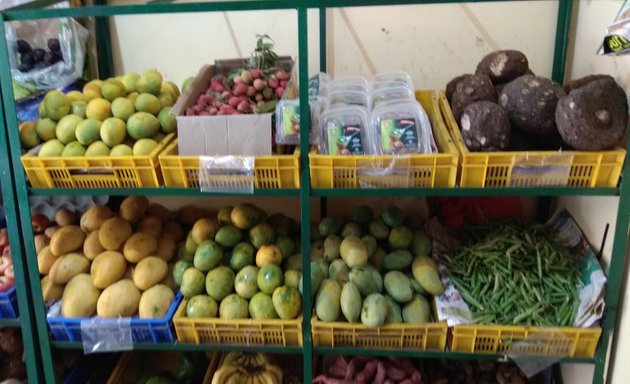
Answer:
(30, 337)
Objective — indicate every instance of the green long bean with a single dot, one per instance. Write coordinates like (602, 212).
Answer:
(516, 274)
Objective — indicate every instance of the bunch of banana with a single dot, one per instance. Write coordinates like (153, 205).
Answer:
(247, 368)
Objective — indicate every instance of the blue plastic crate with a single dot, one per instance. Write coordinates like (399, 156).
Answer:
(8, 304)
(142, 330)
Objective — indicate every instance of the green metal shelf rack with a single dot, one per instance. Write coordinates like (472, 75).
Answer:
(23, 289)
(36, 318)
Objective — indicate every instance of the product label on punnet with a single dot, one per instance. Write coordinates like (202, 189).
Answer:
(398, 135)
(291, 120)
(345, 140)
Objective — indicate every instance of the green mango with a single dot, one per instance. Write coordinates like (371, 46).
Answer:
(328, 302)
(374, 311)
(351, 302)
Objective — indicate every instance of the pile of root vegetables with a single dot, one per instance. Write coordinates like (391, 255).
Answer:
(364, 370)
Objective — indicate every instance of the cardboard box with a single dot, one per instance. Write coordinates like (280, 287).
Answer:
(247, 135)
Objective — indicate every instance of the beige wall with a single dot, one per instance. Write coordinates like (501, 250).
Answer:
(431, 42)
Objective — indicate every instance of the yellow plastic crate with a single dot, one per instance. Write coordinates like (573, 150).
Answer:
(236, 332)
(494, 169)
(534, 341)
(270, 172)
(413, 171)
(132, 366)
(95, 172)
(421, 337)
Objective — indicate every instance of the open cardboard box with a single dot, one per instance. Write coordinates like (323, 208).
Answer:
(246, 135)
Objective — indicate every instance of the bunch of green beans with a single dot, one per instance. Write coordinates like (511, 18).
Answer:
(517, 274)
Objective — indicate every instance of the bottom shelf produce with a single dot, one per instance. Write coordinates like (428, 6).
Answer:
(393, 370)
(12, 365)
(237, 367)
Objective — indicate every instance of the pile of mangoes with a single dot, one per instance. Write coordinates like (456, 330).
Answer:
(111, 264)
(241, 264)
(123, 116)
(373, 270)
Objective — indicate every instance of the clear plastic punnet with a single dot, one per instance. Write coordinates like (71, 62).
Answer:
(391, 95)
(345, 131)
(288, 120)
(401, 128)
(350, 83)
(340, 98)
(375, 87)
(396, 76)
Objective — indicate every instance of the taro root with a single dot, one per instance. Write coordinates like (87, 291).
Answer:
(577, 83)
(470, 89)
(503, 66)
(451, 85)
(530, 102)
(485, 127)
(594, 116)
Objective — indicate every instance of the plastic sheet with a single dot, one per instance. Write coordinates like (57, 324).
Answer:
(226, 174)
(72, 39)
(617, 39)
(106, 335)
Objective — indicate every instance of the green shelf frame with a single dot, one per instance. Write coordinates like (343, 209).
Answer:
(23, 290)
(10, 323)
(36, 320)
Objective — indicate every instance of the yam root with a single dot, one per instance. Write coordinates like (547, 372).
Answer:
(485, 127)
(368, 372)
(394, 373)
(452, 85)
(381, 373)
(579, 83)
(470, 89)
(503, 66)
(322, 379)
(530, 102)
(593, 117)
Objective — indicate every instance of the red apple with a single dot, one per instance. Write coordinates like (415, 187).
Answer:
(40, 223)
(6, 283)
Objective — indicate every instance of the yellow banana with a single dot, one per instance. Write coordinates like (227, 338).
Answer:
(233, 358)
(235, 378)
(263, 359)
(276, 372)
(268, 377)
(223, 373)
(258, 379)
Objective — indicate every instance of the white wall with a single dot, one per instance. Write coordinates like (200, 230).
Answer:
(432, 42)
